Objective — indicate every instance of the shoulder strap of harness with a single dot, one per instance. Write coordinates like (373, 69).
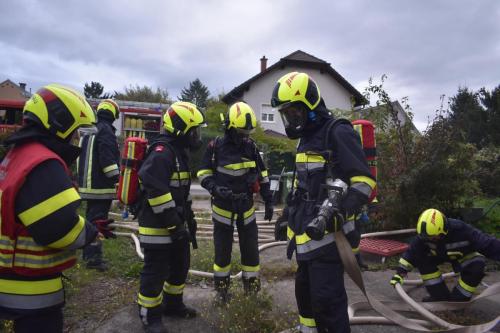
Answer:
(214, 153)
(255, 152)
(326, 142)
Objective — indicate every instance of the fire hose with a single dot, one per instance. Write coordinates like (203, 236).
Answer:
(386, 308)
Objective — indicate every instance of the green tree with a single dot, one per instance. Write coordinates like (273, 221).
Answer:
(143, 94)
(197, 93)
(491, 102)
(93, 90)
(212, 114)
(468, 117)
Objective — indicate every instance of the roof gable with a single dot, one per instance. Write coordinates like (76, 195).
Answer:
(303, 56)
(301, 59)
(10, 90)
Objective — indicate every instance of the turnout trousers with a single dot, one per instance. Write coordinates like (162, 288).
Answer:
(223, 245)
(321, 295)
(162, 278)
(49, 320)
(470, 267)
(96, 210)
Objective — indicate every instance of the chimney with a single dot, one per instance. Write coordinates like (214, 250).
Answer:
(263, 64)
(22, 85)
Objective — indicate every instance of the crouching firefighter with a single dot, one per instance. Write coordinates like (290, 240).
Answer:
(164, 210)
(232, 170)
(40, 228)
(440, 240)
(332, 182)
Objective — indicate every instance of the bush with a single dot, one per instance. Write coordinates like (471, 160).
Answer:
(418, 172)
(488, 170)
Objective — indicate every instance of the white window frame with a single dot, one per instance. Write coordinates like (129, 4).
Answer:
(264, 110)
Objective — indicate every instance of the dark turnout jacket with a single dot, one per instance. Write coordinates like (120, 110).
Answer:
(98, 165)
(461, 243)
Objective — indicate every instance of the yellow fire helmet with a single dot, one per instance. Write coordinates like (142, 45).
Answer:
(181, 117)
(111, 106)
(431, 223)
(61, 110)
(241, 117)
(296, 87)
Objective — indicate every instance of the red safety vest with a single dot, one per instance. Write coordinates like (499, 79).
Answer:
(19, 253)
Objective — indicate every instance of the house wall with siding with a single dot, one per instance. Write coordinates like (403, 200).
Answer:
(259, 94)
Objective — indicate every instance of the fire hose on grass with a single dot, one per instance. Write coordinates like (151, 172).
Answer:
(387, 309)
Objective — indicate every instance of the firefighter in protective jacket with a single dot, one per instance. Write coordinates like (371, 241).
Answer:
(232, 170)
(440, 240)
(165, 208)
(98, 173)
(329, 157)
(40, 226)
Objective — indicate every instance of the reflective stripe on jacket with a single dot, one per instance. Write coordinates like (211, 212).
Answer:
(344, 157)
(98, 164)
(31, 295)
(165, 182)
(19, 253)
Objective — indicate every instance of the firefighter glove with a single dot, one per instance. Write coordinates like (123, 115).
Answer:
(105, 228)
(353, 201)
(222, 192)
(397, 279)
(269, 210)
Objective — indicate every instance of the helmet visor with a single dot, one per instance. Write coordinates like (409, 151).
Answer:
(244, 132)
(87, 130)
(194, 138)
(294, 116)
(434, 239)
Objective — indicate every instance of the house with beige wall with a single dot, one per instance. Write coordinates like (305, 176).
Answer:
(337, 92)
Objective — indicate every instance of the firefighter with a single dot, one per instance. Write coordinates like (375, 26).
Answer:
(440, 240)
(40, 226)
(232, 170)
(331, 177)
(164, 210)
(98, 173)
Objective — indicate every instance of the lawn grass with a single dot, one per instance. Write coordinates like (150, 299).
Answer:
(491, 222)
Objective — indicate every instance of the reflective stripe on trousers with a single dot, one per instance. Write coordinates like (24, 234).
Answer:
(250, 271)
(149, 302)
(307, 325)
(222, 271)
(224, 216)
(432, 278)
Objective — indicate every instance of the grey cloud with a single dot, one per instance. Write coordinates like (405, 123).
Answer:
(426, 48)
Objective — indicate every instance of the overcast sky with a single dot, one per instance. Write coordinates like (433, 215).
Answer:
(426, 48)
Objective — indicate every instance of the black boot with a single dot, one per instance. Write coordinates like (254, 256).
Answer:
(92, 255)
(151, 320)
(457, 296)
(251, 286)
(361, 264)
(438, 292)
(221, 285)
(173, 306)
(98, 265)
(430, 298)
